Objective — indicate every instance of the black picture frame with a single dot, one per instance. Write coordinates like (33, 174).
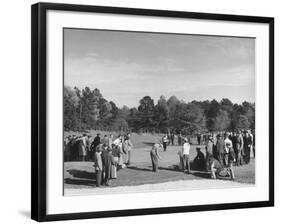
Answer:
(39, 122)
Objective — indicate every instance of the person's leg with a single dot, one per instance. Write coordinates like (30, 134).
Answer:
(250, 151)
(213, 170)
(220, 158)
(129, 157)
(156, 164)
(232, 176)
(247, 155)
(239, 158)
(184, 163)
(152, 161)
(188, 164)
(181, 162)
(113, 172)
(98, 178)
(207, 162)
(225, 157)
(107, 174)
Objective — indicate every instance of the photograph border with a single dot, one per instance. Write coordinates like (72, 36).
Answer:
(39, 110)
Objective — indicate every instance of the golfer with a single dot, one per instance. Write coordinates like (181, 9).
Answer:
(154, 155)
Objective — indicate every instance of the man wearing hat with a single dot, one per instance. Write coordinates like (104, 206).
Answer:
(209, 150)
(107, 160)
(94, 145)
(220, 148)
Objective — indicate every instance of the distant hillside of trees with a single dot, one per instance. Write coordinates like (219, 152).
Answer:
(88, 109)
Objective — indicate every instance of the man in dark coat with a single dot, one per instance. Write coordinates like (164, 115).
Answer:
(220, 149)
(106, 163)
(94, 145)
(248, 141)
(239, 145)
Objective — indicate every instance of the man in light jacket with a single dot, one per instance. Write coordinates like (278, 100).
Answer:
(185, 156)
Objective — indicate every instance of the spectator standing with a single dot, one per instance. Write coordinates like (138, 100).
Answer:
(107, 159)
(82, 148)
(67, 149)
(248, 142)
(115, 161)
(165, 141)
(209, 150)
(199, 139)
(220, 149)
(94, 145)
(172, 138)
(179, 139)
(185, 156)
(98, 167)
(239, 147)
(128, 145)
(228, 146)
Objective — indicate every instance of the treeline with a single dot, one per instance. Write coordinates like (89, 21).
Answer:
(88, 109)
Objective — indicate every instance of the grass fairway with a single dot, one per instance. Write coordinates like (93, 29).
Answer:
(81, 174)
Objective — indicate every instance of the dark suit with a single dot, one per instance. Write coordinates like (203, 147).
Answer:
(106, 163)
(220, 150)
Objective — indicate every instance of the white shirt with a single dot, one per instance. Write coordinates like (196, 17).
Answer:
(185, 148)
(228, 142)
(117, 141)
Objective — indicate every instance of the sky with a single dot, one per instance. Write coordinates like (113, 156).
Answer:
(126, 66)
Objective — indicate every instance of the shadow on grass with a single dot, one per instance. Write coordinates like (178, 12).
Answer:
(81, 174)
(80, 182)
(138, 168)
(201, 174)
(171, 168)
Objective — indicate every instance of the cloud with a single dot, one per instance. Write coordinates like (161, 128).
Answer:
(129, 65)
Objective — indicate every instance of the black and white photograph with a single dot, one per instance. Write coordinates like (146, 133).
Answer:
(155, 112)
(135, 111)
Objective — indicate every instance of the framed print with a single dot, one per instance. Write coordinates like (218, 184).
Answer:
(140, 111)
